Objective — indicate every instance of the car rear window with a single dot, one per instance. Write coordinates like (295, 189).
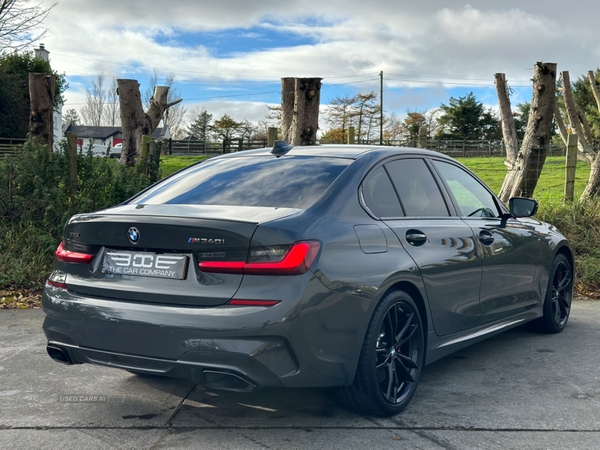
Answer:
(286, 182)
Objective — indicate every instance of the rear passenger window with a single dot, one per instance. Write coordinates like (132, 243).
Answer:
(379, 195)
(417, 188)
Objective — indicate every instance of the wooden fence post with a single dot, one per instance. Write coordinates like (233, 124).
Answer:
(153, 160)
(571, 167)
(271, 136)
(350, 135)
(72, 158)
(41, 96)
(144, 153)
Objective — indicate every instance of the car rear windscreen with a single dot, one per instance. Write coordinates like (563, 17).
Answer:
(286, 182)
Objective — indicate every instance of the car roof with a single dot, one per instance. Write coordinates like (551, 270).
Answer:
(341, 151)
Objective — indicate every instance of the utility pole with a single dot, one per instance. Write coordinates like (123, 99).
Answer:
(381, 109)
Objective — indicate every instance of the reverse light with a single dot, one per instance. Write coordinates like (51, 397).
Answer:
(58, 279)
(274, 260)
(74, 257)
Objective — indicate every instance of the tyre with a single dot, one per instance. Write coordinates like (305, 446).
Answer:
(557, 304)
(391, 359)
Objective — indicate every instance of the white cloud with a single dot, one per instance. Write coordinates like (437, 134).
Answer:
(442, 39)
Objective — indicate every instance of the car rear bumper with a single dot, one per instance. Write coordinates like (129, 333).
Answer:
(297, 343)
(236, 372)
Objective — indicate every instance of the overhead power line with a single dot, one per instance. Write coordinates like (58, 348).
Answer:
(453, 83)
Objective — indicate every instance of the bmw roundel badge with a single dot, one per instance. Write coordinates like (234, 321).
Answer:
(134, 235)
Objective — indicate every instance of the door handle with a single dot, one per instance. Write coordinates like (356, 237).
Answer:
(416, 237)
(486, 237)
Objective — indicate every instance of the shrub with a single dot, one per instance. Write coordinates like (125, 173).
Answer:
(35, 205)
(579, 221)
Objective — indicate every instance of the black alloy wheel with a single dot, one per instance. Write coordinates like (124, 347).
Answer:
(557, 305)
(398, 351)
(561, 293)
(391, 360)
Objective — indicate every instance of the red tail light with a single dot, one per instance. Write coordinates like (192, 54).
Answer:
(296, 261)
(254, 302)
(67, 256)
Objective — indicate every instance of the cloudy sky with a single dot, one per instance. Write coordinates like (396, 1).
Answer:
(229, 56)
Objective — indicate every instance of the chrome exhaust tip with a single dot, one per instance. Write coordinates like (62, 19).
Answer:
(226, 381)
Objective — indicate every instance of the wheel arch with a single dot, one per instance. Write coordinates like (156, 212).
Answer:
(568, 253)
(412, 290)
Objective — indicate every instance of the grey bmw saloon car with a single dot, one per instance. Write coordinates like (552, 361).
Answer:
(345, 266)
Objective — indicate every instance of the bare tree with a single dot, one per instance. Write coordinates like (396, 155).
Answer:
(364, 107)
(149, 92)
(340, 112)
(95, 99)
(174, 116)
(112, 118)
(431, 121)
(20, 23)
(393, 129)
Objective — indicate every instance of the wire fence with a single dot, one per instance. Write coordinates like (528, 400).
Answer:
(486, 159)
(459, 148)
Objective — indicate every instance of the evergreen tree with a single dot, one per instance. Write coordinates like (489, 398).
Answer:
(200, 127)
(521, 118)
(71, 116)
(467, 118)
(14, 91)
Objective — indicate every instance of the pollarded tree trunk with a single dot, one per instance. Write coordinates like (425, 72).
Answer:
(288, 94)
(560, 124)
(300, 123)
(134, 121)
(574, 117)
(594, 86)
(592, 189)
(522, 179)
(509, 132)
(564, 136)
(41, 95)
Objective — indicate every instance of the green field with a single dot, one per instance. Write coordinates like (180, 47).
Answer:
(171, 164)
(490, 170)
(550, 185)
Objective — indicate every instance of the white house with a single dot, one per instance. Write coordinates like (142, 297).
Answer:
(106, 136)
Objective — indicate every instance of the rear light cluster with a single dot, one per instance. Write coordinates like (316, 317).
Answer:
(274, 260)
(74, 257)
(58, 279)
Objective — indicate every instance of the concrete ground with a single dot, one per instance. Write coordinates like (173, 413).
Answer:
(517, 390)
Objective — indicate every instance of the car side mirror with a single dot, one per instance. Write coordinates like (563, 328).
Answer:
(522, 207)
